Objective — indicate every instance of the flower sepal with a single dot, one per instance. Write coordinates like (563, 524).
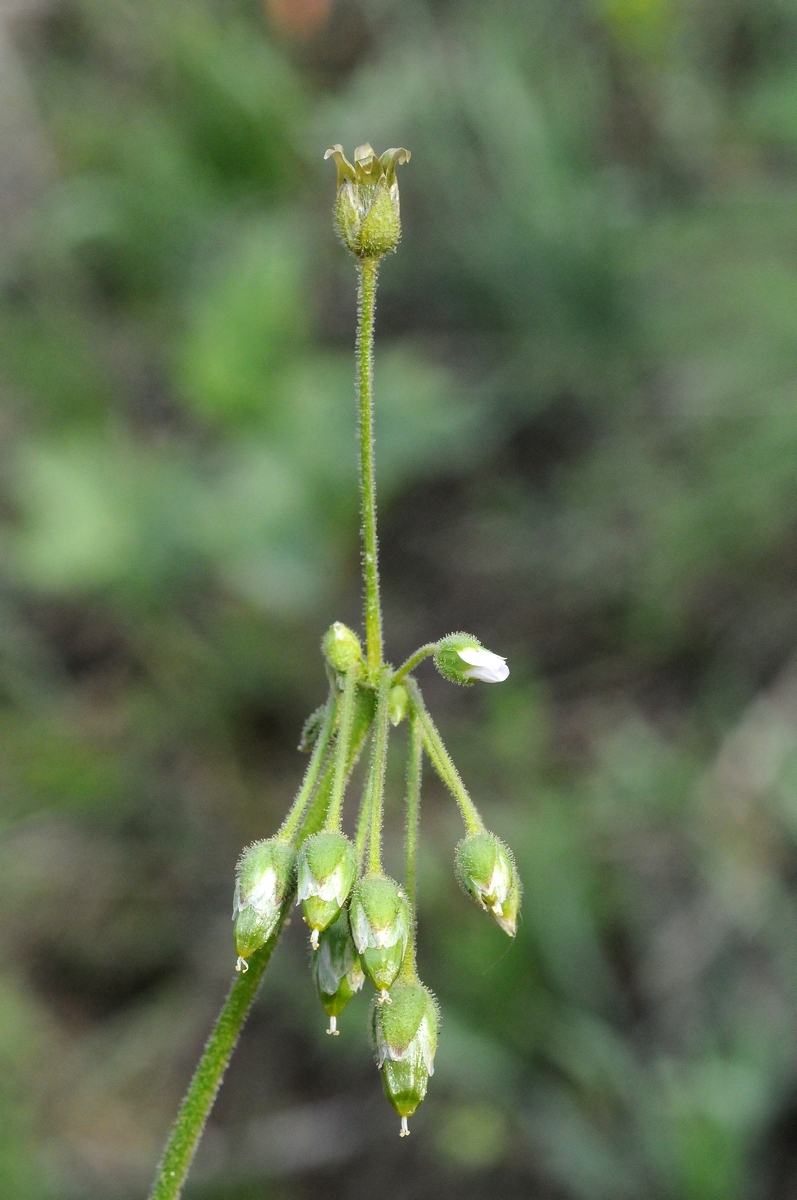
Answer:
(404, 1037)
(380, 924)
(486, 870)
(367, 207)
(327, 868)
(337, 970)
(461, 658)
(262, 880)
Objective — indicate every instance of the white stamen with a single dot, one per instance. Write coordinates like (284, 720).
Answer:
(333, 1026)
(314, 939)
(405, 1129)
(485, 666)
(242, 966)
(384, 997)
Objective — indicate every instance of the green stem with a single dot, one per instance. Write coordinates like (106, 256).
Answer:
(409, 969)
(290, 826)
(442, 763)
(375, 789)
(366, 305)
(195, 1109)
(347, 709)
(414, 659)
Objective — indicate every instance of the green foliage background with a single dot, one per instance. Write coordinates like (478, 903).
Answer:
(587, 455)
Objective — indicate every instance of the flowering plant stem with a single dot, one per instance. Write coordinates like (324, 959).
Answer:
(366, 307)
(442, 762)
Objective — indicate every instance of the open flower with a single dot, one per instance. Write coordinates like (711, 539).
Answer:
(461, 658)
(367, 207)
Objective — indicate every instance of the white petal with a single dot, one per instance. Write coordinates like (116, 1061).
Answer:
(263, 895)
(485, 666)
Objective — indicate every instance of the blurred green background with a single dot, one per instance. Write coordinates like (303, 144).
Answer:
(587, 456)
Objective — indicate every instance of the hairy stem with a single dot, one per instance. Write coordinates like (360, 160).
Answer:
(347, 709)
(442, 762)
(290, 825)
(376, 772)
(413, 660)
(409, 971)
(366, 304)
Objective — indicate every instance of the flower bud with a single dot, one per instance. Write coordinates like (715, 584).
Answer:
(263, 878)
(341, 647)
(367, 206)
(486, 869)
(404, 1037)
(380, 924)
(327, 869)
(462, 659)
(312, 729)
(337, 970)
(398, 703)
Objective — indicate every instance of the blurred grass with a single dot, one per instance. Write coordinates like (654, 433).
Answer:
(587, 437)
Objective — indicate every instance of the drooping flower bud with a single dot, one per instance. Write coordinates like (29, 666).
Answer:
(337, 969)
(405, 1039)
(262, 880)
(327, 869)
(462, 659)
(367, 206)
(341, 647)
(380, 924)
(398, 703)
(486, 869)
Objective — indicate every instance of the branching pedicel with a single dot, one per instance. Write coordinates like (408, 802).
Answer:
(362, 922)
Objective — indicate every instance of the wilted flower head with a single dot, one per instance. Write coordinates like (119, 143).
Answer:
(486, 869)
(263, 877)
(461, 658)
(405, 1039)
(367, 206)
(327, 869)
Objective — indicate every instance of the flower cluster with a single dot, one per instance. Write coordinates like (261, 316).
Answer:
(362, 922)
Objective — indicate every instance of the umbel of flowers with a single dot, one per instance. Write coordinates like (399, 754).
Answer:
(362, 923)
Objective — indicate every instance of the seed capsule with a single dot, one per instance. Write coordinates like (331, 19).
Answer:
(367, 206)
(263, 878)
(405, 1039)
(337, 969)
(486, 869)
(380, 925)
(461, 658)
(327, 868)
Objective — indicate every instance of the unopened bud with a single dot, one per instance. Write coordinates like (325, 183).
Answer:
(405, 1039)
(337, 970)
(380, 924)
(341, 647)
(397, 703)
(263, 878)
(462, 659)
(367, 207)
(327, 869)
(486, 869)
(312, 729)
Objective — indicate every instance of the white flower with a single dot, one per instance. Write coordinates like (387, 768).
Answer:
(484, 665)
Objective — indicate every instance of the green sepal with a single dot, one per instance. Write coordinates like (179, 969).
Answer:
(447, 660)
(404, 1036)
(337, 970)
(327, 868)
(380, 918)
(341, 648)
(485, 868)
(263, 879)
(398, 703)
